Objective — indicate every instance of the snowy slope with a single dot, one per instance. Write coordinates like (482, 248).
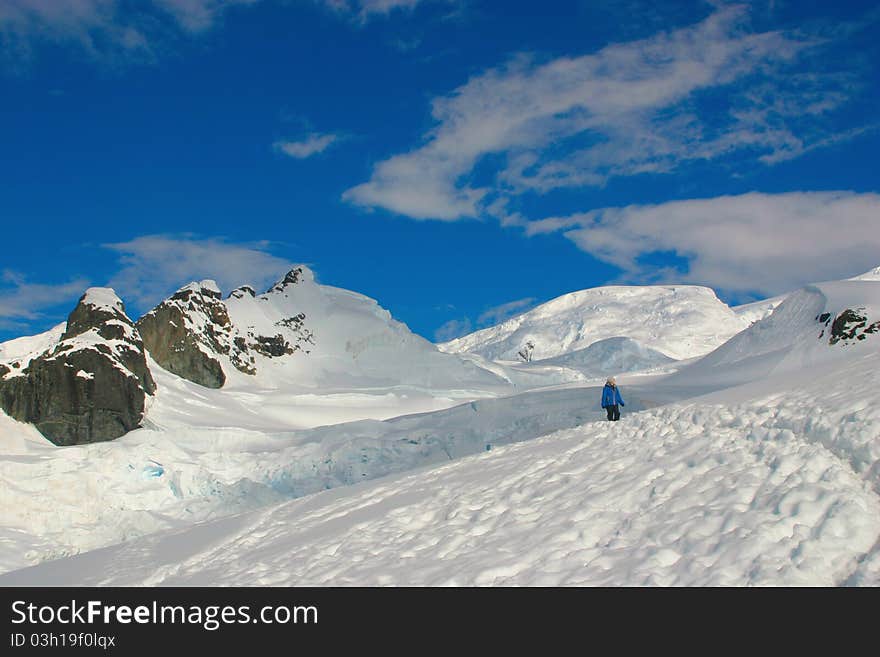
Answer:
(758, 464)
(707, 492)
(356, 342)
(873, 275)
(609, 357)
(24, 348)
(193, 463)
(680, 321)
(758, 310)
(797, 336)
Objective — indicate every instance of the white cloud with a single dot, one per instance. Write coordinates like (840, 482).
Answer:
(751, 243)
(113, 27)
(104, 26)
(22, 302)
(312, 145)
(627, 109)
(366, 9)
(454, 328)
(154, 266)
(505, 311)
(199, 15)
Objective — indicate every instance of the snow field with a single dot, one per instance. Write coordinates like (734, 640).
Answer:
(762, 468)
(682, 495)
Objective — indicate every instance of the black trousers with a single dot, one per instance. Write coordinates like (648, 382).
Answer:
(613, 412)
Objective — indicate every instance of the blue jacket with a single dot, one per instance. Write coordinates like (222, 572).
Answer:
(611, 396)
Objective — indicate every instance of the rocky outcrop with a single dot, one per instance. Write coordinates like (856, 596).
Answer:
(242, 292)
(191, 335)
(186, 332)
(851, 324)
(89, 387)
(292, 277)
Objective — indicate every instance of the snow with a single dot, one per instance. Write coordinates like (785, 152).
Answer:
(755, 464)
(208, 285)
(687, 494)
(680, 321)
(103, 297)
(356, 344)
(758, 310)
(609, 356)
(873, 275)
(23, 350)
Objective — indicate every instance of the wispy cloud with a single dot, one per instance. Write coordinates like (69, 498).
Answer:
(22, 302)
(747, 244)
(454, 328)
(646, 106)
(366, 9)
(154, 266)
(120, 27)
(105, 27)
(505, 311)
(312, 144)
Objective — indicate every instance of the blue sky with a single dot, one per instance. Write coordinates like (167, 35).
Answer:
(457, 160)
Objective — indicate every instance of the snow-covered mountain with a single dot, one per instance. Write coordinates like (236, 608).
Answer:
(756, 463)
(342, 339)
(680, 321)
(299, 337)
(769, 476)
(298, 334)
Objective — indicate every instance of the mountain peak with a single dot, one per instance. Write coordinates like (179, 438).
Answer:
(207, 287)
(299, 274)
(102, 297)
(95, 310)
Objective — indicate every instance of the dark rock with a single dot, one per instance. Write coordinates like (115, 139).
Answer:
(182, 332)
(297, 325)
(272, 347)
(243, 291)
(82, 397)
(852, 325)
(292, 277)
(92, 385)
(189, 333)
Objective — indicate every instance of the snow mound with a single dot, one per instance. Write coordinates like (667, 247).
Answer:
(610, 356)
(679, 321)
(810, 328)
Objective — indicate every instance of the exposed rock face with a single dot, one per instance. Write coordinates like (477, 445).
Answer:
(89, 387)
(185, 333)
(191, 334)
(243, 291)
(292, 277)
(850, 325)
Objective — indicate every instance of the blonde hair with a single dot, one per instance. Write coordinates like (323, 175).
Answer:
(611, 380)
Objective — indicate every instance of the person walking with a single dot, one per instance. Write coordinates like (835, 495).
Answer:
(611, 399)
